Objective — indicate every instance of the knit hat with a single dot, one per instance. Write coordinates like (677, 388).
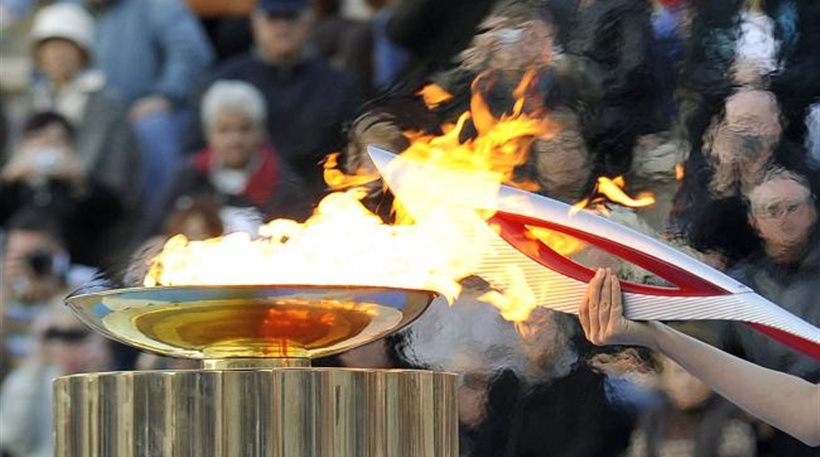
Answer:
(64, 20)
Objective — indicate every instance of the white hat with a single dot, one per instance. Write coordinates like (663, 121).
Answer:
(64, 20)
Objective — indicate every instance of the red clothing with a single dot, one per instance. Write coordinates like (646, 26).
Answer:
(262, 182)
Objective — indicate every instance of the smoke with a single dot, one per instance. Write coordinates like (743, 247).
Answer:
(471, 337)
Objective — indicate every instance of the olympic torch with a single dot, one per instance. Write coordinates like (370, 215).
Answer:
(696, 291)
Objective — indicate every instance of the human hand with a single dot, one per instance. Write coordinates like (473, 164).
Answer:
(148, 106)
(602, 315)
(41, 162)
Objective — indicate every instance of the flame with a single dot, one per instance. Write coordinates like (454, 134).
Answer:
(344, 243)
(680, 172)
(338, 180)
(434, 95)
(563, 244)
(612, 190)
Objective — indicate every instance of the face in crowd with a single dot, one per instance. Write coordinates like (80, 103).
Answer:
(744, 140)
(31, 265)
(234, 137)
(281, 37)
(60, 60)
(783, 213)
(68, 345)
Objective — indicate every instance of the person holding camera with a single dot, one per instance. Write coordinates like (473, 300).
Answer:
(65, 81)
(46, 173)
(35, 265)
(62, 346)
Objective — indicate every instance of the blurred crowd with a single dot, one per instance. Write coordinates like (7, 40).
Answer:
(146, 118)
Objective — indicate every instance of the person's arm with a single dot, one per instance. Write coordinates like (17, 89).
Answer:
(784, 401)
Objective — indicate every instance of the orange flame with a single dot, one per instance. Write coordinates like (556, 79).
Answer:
(680, 172)
(338, 180)
(434, 95)
(612, 190)
(344, 243)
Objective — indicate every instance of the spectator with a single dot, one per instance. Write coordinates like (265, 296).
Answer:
(45, 172)
(736, 149)
(691, 421)
(616, 36)
(557, 406)
(35, 265)
(307, 99)
(783, 212)
(62, 39)
(153, 52)
(197, 219)
(226, 24)
(65, 347)
(743, 143)
(239, 168)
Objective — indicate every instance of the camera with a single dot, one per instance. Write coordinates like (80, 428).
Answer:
(46, 161)
(41, 263)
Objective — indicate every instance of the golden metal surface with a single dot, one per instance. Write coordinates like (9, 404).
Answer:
(217, 322)
(252, 363)
(283, 412)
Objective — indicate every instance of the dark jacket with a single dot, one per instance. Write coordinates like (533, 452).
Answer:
(86, 216)
(307, 103)
(796, 288)
(566, 417)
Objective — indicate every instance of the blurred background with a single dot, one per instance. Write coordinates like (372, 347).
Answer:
(123, 122)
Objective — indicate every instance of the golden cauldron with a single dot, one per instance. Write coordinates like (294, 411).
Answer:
(256, 394)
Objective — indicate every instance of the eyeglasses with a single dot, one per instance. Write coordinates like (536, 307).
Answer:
(780, 210)
(71, 336)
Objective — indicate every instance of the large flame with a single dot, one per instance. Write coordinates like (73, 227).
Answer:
(445, 240)
(344, 243)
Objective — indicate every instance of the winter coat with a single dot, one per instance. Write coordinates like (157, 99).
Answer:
(568, 416)
(796, 288)
(151, 47)
(104, 140)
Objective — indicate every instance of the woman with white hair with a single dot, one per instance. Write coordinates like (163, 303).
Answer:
(239, 168)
